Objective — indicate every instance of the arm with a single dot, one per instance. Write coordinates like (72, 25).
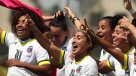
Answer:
(38, 69)
(103, 67)
(45, 43)
(128, 6)
(48, 18)
(109, 47)
(72, 16)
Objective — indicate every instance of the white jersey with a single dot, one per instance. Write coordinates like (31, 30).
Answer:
(67, 47)
(133, 70)
(119, 69)
(104, 56)
(29, 51)
(86, 67)
(131, 65)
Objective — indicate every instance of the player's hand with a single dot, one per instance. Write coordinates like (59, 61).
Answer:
(14, 62)
(127, 4)
(30, 23)
(102, 64)
(58, 14)
(125, 23)
(68, 12)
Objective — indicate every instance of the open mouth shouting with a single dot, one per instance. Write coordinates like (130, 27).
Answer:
(75, 46)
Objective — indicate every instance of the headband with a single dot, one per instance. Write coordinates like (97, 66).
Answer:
(86, 34)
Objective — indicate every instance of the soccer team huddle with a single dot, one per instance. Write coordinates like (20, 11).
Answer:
(41, 46)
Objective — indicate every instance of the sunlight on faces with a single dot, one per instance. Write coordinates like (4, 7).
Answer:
(104, 30)
(120, 36)
(57, 36)
(80, 43)
(22, 30)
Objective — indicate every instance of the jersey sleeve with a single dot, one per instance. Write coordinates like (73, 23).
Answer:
(110, 62)
(61, 59)
(125, 65)
(7, 38)
(42, 56)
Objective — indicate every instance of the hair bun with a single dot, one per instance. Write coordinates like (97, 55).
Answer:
(118, 17)
(61, 17)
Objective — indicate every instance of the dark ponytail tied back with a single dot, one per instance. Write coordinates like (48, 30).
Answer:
(59, 22)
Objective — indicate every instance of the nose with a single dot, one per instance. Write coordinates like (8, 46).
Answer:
(113, 34)
(74, 39)
(99, 30)
(19, 25)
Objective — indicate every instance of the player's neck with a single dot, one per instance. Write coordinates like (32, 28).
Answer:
(125, 48)
(80, 57)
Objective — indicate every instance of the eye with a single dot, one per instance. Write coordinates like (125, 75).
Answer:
(24, 22)
(118, 32)
(103, 27)
(78, 38)
(18, 22)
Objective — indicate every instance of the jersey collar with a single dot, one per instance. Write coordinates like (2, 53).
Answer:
(81, 59)
(26, 41)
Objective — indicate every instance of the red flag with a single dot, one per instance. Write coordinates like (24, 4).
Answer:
(17, 5)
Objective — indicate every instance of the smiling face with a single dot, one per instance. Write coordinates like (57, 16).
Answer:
(104, 31)
(120, 36)
(21, 28)
(80, 43)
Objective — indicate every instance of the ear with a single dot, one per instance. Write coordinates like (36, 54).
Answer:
(66, 33)
(90, 44)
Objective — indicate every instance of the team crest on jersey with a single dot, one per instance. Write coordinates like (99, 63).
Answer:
(78, 69)
(29, 49)
(76, 72)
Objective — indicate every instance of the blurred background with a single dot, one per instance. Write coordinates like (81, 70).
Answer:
(92, 10)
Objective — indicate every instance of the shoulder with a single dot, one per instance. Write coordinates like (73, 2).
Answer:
(89, 60)
(11, 35)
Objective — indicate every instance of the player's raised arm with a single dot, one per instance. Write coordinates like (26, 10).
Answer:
(73, 17)
(45, 43)
(49, 18)
(109, 47)
(128, 6)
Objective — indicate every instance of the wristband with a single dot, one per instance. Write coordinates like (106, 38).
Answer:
(75, 18)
